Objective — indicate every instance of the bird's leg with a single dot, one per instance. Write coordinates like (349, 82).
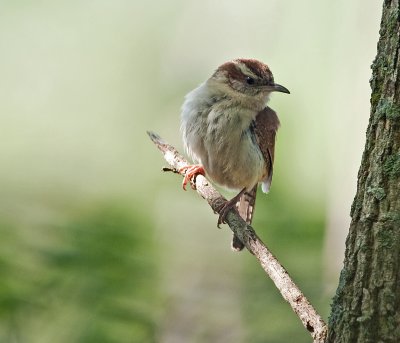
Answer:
(227, 206)
(191, 171)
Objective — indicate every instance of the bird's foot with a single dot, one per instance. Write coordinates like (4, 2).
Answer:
(191, 171)
(226, 207)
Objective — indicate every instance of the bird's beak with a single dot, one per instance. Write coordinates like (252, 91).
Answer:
(277, 88)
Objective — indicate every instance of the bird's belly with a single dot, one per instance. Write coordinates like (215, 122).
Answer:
(225, 145)
(237, 165)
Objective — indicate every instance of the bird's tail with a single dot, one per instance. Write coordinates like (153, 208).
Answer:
(245, 207)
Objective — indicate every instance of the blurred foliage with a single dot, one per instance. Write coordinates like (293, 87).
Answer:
(82, 82)
(295, 237)
(93, 279)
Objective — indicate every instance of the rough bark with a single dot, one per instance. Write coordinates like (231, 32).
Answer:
(366, 307)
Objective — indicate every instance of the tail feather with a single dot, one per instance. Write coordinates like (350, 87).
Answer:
(245, 207)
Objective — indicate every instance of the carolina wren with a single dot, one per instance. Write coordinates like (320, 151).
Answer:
(229, 130)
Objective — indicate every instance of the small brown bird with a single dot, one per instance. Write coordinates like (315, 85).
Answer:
(229, 130)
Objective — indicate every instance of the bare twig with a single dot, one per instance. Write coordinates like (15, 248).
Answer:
(288, 289)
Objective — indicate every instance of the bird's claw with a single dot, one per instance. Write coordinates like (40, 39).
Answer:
(225, 207)
(223, 211)
(191, 171)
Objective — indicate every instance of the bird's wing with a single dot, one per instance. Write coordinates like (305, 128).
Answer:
(265, 128)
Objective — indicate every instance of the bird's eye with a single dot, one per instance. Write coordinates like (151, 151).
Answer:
(249, 80)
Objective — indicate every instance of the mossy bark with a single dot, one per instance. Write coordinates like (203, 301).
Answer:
(366, 307)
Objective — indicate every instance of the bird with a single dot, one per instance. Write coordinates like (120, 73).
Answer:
(229, 132)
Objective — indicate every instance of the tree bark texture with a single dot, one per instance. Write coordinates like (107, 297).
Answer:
(366, 307)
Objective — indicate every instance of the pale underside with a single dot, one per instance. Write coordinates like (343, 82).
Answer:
(233, 142)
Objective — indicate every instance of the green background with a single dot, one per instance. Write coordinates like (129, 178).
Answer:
(97, 245)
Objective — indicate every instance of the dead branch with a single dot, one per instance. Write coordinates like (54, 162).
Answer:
(311, 320)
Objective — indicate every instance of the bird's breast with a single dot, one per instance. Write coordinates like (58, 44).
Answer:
(217, 133)
(234, 159)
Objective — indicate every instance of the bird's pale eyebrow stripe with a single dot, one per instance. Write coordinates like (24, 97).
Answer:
(245, 70)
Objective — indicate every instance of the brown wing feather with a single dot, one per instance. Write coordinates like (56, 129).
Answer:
(265, 128)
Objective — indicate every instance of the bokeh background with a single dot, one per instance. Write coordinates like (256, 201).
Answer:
(97, 245)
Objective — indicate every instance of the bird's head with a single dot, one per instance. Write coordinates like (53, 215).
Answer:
(246, 77)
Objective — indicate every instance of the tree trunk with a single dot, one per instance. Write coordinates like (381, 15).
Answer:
(366, 307)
